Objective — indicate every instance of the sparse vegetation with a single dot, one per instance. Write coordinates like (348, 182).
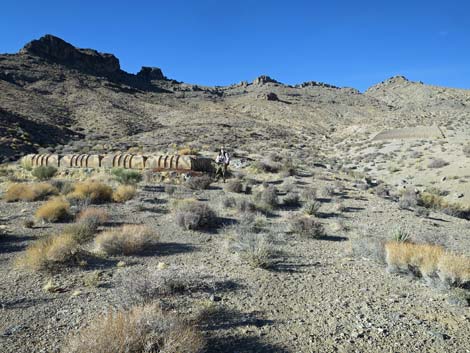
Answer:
(312, 207)
(125, 240)
(199, 182)
(127, 176)
(194, 215)
(94, 191)
(307, 227)
(267, 199)
(124, 193)
(140, 329)
(235, 185)
(44, 172)
(49, 253)
(292, 199)
(29, 192)
(55, 210)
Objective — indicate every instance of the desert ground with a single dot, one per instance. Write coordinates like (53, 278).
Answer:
(343, 225)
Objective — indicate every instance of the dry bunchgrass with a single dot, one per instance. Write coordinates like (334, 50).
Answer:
(97, 215)
(29, 192)
(124, 193)
(126, 240)
(54, 210)
(87, 223)
(454, 269)
(94, 191)
(194, 215)
(187, 151)
(417, 258)
(140, 329)
(49, 252)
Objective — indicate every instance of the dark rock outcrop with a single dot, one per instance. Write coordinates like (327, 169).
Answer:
(151, 73)
(57, 50)
(272, 97)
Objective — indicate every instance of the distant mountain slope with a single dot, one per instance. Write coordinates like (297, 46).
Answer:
(77, 94)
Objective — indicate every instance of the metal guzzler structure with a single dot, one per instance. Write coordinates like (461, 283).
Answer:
(155, 162)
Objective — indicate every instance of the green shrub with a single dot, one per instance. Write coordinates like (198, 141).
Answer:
(44, 172)
(194, 215)
(126, 176)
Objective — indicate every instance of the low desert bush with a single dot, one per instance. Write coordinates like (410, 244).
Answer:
(368, 247)
(124, 193)
(86, 226)
(419, 259)
(312, 207)
(235, 185)
(139, 329)
(408, 199)
(199, 182)
(170, 189)
(466, 150)
(29, 192)
(54, 210)
(64, 186)
(454, 270)
(267, 199)
(309, 194)
(94, 191)
(194, 215)
(126, 176)
(437, 163)
(327, 191)
(187, 151)
(44, 172)
(245, 206)
(49, 253)
(228, 202)
(126, 240)
(401, 235)
(292, 199)
(382, 191)
(307, 227)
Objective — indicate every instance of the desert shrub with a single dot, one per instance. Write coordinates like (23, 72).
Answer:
(228, 202)
(368, 247)
(454, 269)
(194, 215)
(382, 191)
(139, 329)
(459, 297)
(126, 176)
(254, 248)
(422, 212)
(54, 210)
(170, 189)
(199, 182)
(124, 193)
(87, 224)
(419, 259)
(26, 164)
(64, 186)
(126, 240)
(28, 223)
(401, 235)
(312, 207)
(29, 192)
(187, 151)
(430, 200)
(235, 185)
(327, 191)
(245, 206)
(307, 227)
(292, 199)
(94, 191)
(267, 199)
(49, 253)
(408, 199)
(309, 194)
(44, 172)
(466, 150)
(437, 163)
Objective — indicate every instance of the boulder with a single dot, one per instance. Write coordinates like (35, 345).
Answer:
(263, 79)
(151, 73)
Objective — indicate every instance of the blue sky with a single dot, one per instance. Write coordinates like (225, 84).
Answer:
(346, 43)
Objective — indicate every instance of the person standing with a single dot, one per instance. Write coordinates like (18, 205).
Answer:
(222, 160)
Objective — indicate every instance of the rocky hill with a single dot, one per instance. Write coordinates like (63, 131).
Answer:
(52, 89)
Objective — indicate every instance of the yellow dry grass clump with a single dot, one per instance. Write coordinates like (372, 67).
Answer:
(124, 193)
(29, 192)
(97, 215)
(94, 191)
(429, 260)
(127, 240)
(140, 329)
(454, 269)
(187, 151)
(48, 252)
(54, 210)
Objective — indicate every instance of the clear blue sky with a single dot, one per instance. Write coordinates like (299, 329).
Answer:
(347, 43)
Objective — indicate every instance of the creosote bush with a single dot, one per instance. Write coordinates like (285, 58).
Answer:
(267, 199)
(29, 192)
(139, 329)
(235, 186)
(307, 227)
(54, 210)
(124, 193)
(94, 191)
(44, 172)
(48, 253)
(194, 215)
(125, 240)
(199, 182)
(127, 176)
